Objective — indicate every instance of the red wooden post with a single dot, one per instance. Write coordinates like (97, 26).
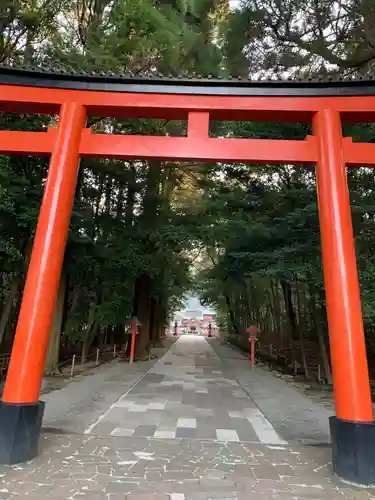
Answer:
(134, 329)
(21, 393)
(34, 323)
(352, 430)
(252, 351)
(252, 339)
(347, 342)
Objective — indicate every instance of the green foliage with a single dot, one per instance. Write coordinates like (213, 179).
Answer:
(252, 232)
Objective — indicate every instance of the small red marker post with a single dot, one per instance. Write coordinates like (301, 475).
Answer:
(252, 339)
(134, 331)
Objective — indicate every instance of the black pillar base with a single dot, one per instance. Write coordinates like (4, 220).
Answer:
(353, 451)
(20, 425)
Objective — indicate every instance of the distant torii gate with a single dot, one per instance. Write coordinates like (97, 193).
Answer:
(75, 97)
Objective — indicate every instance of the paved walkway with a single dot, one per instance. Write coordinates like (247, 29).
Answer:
(187, 394)
(186, 429)
(294, 415)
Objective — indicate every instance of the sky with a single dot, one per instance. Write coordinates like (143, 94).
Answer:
(234, 3)
(192, 304)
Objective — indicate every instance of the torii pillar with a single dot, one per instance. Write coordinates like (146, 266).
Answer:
(21, 411)
(352, 429)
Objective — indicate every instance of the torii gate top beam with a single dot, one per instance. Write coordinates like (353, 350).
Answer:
(198, 101)
(156, 97)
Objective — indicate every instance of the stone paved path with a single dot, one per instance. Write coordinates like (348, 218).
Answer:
(185, 431)
(187, 395)
(294, 415)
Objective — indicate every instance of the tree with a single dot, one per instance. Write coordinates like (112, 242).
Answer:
(297, 37)
(124, 255)
(139, 228)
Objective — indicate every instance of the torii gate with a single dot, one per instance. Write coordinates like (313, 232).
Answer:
(75, 97)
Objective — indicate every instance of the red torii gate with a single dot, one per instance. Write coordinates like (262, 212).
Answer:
(75, 97)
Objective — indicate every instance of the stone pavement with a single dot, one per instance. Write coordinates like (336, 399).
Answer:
(187, 395)
(184, 430)
(292, 413)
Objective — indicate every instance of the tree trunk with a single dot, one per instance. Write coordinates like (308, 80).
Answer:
(98, 201)
(160, 315)
(322, 341)
(7, 309)
(52, 357)
(88, 337)
(130, 198)
(292, 332)
(317, 314)
(66, 308)
(88, 341)
(29, 47)
(157, 321)
(142, 309)
(301, 336)
(75, 296)
(120, 201)
(231, 316)
(153, 321)
(84, 350)
(163, 320)
(277, 311)
(148, 219)
(324, 355)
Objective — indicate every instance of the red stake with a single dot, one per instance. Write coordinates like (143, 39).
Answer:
(252, 341)
(132, 345)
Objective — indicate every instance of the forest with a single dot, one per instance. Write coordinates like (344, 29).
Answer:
(245, 238)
